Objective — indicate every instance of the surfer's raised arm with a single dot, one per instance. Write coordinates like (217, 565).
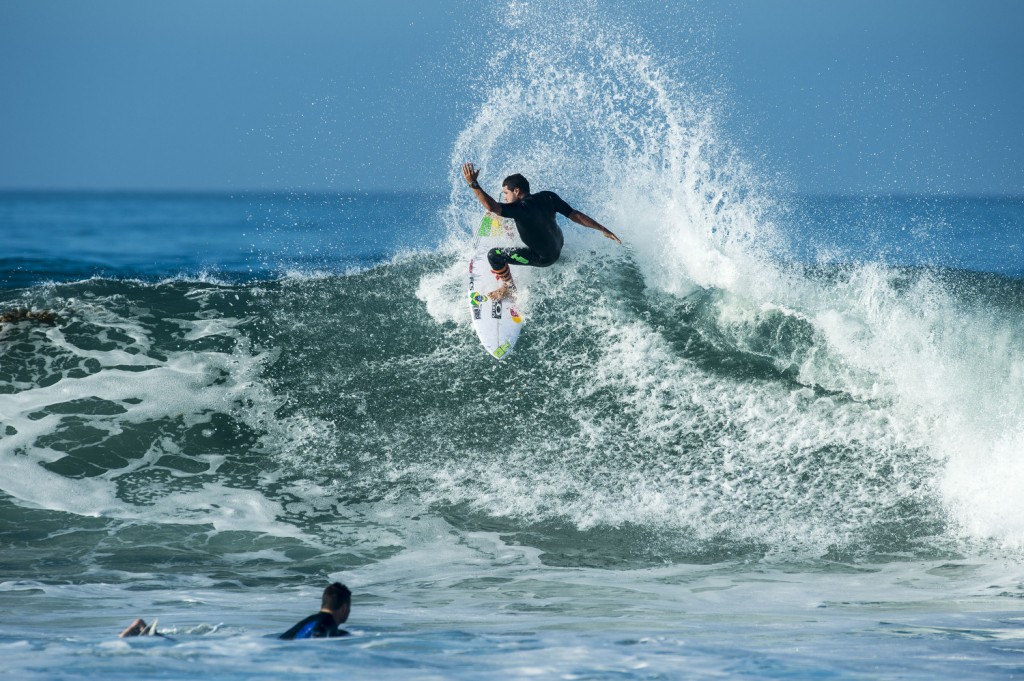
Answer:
(471, 173)
(587, 221)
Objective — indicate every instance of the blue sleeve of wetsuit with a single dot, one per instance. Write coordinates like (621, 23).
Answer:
(308, 631)
(307, 628)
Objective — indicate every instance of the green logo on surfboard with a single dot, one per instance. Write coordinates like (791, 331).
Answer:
(488, 226)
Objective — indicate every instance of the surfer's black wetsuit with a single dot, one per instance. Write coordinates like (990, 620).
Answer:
(535, 219)
(320, 625)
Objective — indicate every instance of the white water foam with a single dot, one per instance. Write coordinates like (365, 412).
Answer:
(935, 386)
(145, 387)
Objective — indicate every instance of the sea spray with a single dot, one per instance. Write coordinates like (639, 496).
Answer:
(614, 128)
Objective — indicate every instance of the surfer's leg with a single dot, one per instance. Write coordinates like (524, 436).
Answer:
(499, 259)
(504, 291)
(514, 256)
(503, 273)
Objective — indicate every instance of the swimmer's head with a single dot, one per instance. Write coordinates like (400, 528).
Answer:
(337, 600)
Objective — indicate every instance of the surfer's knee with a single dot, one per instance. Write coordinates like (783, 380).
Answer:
(496, 258)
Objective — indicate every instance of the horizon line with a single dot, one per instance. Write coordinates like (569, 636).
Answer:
(294, 191)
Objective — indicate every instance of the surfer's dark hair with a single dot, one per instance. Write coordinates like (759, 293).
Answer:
(517, 181)
(335, 596)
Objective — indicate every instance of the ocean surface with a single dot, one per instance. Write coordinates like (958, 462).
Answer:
(772, 436)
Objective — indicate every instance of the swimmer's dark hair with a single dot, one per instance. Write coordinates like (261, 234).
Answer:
(335, 596)
(517, 181)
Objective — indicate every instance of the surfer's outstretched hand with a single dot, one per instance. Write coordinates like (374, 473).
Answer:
(470, 173)
(587, 221)
(610, 235)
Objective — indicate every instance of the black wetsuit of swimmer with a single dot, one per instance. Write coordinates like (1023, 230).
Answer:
(535, 219)
(319, 625)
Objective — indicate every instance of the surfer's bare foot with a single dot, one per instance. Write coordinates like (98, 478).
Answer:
(502, 293)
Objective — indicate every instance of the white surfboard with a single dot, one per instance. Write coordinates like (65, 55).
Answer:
(497, 322)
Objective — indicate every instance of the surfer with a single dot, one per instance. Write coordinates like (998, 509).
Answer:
(534, 215)
(138, 628)
(335, 605)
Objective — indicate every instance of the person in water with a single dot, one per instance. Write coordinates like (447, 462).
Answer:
(138, 628)
(534, 215)
(335, 605)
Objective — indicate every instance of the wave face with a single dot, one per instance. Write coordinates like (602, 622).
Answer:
(855, 415)
(708, 392)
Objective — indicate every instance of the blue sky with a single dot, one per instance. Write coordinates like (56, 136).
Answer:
(903, 96)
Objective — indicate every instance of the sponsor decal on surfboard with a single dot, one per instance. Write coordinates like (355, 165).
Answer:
(498, 329)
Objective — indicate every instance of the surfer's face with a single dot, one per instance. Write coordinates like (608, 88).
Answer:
(511, 195)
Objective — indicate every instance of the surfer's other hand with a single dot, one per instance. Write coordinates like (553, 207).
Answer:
(608, 233)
